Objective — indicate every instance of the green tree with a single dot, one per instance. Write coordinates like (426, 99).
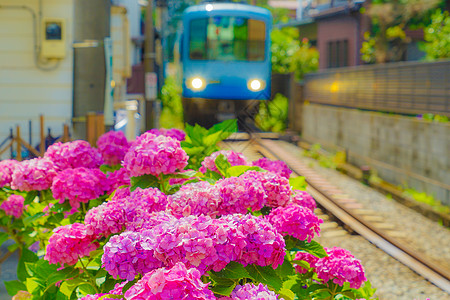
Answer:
(437, 36)
(390, 18)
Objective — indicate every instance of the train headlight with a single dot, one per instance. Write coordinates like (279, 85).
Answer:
(196, 83)
(256, 85)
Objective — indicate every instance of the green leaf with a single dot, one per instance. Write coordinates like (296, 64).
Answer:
(13, 247)
(313, 248)
(86, 289)
(107, 168)
(237, 171)
(298, 183)
(26, 257)
(222, 164)
(286, 269)
(223, 286)
(186, 175)
(13, 286)
(233, 270)
(69, 286)
(144, 181)
(227, 127)
(266, 275)
(111, 296)
(30, 197)
(3, 237)
(28, 220)
(33, 285)
(286, 294)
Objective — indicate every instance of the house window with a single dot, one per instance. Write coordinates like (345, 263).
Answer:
(337, 54)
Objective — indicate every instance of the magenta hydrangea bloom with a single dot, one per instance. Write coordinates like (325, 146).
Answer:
(68, 243)
(305, 256)
(74, 154)
(79, 185)
(113, 145)
(178, 282)
(276, 166)
(276, 187)
(239, 193)
(234, 158)
(250, 291)
(127, 210)
(117, 179)
(340, 266)
(6, 170)
(174, 133)
(33, 175)
(129, 254)
(105, 219)
(296, 221)
(13, 206)
(304, 199)
(151, 154)
(150, 199)
(200, 198)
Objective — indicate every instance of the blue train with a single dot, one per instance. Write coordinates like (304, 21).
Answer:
(226, 61)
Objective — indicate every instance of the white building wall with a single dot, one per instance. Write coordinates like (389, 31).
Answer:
(25, 90)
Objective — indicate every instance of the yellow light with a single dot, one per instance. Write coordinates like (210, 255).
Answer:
(255, 85)
(196, 83)
(334, 88)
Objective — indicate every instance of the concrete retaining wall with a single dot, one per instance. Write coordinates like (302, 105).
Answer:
(403, 150)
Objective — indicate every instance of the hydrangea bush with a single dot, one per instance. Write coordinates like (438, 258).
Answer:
(140, 226)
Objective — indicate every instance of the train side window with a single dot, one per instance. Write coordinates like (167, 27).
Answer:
(256, 40)
(197, 39)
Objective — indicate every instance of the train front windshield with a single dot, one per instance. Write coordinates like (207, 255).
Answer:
(223, 38)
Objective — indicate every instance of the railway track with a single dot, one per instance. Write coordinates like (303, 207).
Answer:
(348, 212)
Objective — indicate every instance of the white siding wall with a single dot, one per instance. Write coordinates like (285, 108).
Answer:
(26, 91)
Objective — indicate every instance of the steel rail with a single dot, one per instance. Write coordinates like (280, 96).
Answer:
(413, 259)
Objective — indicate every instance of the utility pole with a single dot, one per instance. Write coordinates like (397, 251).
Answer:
(149, 67)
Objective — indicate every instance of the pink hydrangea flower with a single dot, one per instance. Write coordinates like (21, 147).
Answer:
(151, 199)
(174, 133)
(129, 254)
(296, 221)
(68, 243)
(13, 206)
(234, 158)
(340, 266)
(277, 188)
(177, 282)
(151, 154)
(6, 170)
(33, 175)
(276, 166)
(200, 198)
(105, 219)
(264, 246)
(124, 210)
(79, 185)
(304, 199)
(22, 295)
(74, 154)
(113, 145)
(117, 179)
(305, 256)
(239, 193)
(250, 291)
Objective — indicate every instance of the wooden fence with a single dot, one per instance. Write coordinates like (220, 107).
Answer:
(405, 88)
